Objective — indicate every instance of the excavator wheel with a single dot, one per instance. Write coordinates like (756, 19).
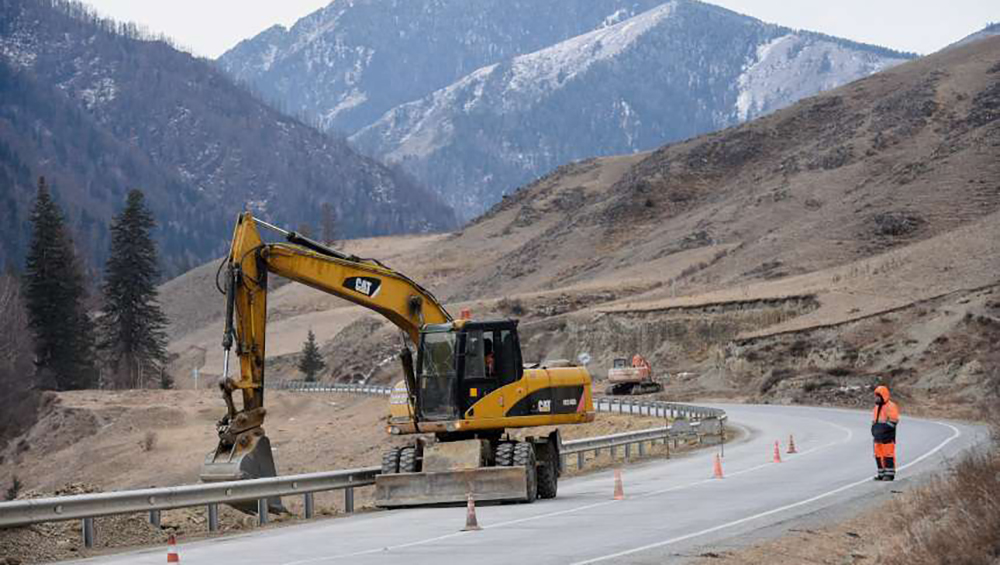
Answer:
(548, 479)
(524, 456)
(408, 460)
(390, 461)
(505, 455)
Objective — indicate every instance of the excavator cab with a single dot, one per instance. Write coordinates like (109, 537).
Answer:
(459, 363)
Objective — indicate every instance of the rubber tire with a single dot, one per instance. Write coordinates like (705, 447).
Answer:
(408, 460)
(504, 455)
(390, 461)
(548, 479)
(524, 456)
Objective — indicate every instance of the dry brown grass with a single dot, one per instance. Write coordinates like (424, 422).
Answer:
(954, 520)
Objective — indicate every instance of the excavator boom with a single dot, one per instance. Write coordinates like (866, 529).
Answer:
(244, 450)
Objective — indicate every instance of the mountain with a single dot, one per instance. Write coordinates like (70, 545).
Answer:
(555, 81)
(347, 64)
(869, 172)
(99, 108)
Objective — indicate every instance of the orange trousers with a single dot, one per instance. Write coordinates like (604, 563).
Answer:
(885, 458)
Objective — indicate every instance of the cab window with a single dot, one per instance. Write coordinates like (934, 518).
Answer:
(507, 362)
(475, 359)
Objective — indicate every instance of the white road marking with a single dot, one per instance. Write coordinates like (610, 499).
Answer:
(849, 436)
(955, 434)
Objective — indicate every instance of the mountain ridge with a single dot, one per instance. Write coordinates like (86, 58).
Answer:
(188, 130)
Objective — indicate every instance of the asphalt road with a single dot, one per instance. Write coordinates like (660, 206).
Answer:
(672, 508)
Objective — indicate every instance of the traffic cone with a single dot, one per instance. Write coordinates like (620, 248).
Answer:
(777, 453)
(172, 555)
(619, 490)
(718, 467)
(791, 444)
(471, 524)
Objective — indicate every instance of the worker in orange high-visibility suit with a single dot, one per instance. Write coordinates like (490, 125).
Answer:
(885, 419)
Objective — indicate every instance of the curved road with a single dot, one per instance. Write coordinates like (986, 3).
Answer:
(672, 508)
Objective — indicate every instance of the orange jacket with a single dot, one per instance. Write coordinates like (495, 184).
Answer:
(885, 417)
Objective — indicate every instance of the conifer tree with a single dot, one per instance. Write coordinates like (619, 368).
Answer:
(312, 362)
(54, 295)
(131, 332)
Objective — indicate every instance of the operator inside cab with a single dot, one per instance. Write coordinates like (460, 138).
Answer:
(489, 358)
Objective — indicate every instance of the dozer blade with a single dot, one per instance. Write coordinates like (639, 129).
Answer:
(251, 459)
(446, 487)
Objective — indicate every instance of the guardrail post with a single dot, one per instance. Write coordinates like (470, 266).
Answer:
(213, 517)
(154, 518)
(579, 460)
(309, 505)
(642, 449)
(613, 454)
(628, 451)
(88, 533)
(262, 511)
(349, 500)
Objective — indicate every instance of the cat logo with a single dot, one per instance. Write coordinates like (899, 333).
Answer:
(367, 286)
(544, 406)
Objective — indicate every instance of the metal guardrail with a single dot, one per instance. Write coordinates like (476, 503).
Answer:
(693, 423)
(612, 404)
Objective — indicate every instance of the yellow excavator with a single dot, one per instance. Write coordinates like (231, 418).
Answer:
(467, 386)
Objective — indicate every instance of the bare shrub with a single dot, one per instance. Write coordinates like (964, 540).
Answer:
(14, 490)
(511, 306)
(148, 442)
(19, 401)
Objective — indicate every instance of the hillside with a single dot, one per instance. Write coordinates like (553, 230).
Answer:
(99, 109)
(851, 236)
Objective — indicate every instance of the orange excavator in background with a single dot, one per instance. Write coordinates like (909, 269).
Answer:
(636, 378)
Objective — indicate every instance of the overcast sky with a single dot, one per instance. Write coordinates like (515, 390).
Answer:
(210, 27)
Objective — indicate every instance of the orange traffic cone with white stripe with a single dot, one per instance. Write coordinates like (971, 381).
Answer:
(717, 472)
(791, 444)
(619, 489)
(172, 555)
(471, 524)
(777, 452)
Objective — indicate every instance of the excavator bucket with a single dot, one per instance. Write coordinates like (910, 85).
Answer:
(451, 487)
(249, 459)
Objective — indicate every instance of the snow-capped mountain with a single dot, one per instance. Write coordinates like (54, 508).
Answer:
(99, 109)
(625, 77)
(347, 64)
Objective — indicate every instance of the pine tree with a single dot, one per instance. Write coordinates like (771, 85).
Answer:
(54, 295)
(312, 362)
(131, 332)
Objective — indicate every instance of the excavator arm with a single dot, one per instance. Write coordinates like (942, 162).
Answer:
(243, 450)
